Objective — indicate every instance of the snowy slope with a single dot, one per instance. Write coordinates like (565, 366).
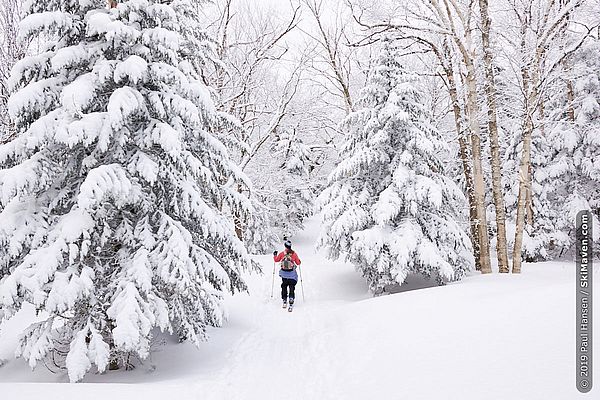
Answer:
(487, 337)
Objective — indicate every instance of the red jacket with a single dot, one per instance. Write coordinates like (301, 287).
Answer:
(280, 256)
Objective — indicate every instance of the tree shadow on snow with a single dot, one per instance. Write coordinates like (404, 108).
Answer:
(412, 282)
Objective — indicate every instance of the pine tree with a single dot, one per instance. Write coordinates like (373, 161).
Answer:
(112, 195)
(587, 92)
(389, 207)
(291, 197)
(571, 174)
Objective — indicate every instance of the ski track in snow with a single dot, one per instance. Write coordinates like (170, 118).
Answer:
(285, 350)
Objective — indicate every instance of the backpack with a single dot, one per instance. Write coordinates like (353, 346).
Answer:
(287, 264)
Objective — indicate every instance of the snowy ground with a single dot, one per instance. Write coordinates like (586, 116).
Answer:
(487, 337)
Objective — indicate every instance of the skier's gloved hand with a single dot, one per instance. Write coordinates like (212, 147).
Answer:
(275, 253)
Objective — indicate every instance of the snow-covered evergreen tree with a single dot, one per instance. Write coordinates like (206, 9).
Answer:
(291, 195)
(389, 206)
(113, 194)
(571, 173)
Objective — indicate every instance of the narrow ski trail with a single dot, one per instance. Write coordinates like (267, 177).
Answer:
(278, 349)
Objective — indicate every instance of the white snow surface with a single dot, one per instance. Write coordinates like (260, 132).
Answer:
(485, 337)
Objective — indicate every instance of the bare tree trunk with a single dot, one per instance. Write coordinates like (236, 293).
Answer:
(529, 201)
(238, 221)
(570, 94)
(468, 171)
(530, 98)
(570, 98)
(490, 90)
(478, 181)
(524, 188)
(566, 66)
(463, 142)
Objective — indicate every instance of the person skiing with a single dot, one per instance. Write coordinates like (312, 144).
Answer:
(289, 277)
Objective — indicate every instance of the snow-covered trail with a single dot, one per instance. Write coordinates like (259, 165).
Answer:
(262, 352)
(280, 350)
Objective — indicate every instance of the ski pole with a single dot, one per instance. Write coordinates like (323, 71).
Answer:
(301, 283)
(273, 280)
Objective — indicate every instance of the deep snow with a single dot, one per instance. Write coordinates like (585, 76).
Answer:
(486, 337)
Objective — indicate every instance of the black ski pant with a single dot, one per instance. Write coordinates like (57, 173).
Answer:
(291, 283)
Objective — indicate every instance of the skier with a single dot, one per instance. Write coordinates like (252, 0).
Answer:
(289, 277)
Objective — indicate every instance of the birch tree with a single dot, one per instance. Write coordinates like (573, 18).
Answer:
(490, 92)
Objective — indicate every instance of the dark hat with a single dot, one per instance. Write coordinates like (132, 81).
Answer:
(287, 244)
